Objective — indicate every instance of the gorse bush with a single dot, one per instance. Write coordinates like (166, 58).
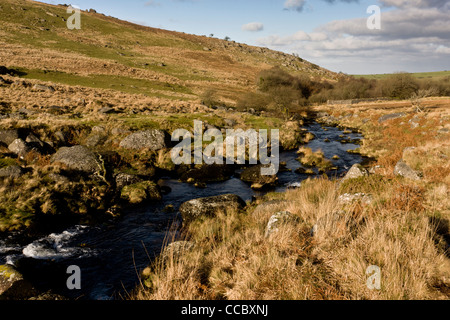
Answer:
(400, 85)
(278, 91)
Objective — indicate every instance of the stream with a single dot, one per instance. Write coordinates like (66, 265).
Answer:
(111, 256)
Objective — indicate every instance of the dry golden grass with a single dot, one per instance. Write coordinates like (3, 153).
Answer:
(232, 259)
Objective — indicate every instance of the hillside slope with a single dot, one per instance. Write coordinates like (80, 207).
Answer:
(108, 53)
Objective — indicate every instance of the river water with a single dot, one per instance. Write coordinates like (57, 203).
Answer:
(110, 256)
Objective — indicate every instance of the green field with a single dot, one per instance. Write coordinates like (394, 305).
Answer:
(419, 75)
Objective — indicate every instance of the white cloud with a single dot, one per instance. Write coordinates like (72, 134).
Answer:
(411, 38)
(296, 5)
(253, 26)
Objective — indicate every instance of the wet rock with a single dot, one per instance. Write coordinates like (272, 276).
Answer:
(403, 170)
(151, 139)
(13, 286)
(209, 206)
(141, 192)
(78, 158)
(391, 116)
(208, 173)
(356, 171)
(279, 219)
(11, 172)
(253, 175)
(169, 208)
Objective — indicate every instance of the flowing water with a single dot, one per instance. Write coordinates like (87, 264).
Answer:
(110, 256)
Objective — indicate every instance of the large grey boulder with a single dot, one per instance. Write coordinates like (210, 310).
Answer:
(11, 172)
(78, 158)
(355, 171)
(151, 139)
(13, 286)
(403, 170)
(209, 206)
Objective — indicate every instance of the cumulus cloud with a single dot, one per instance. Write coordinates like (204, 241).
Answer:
(253, 26)
(416, 3)
(412, 36)
(296, 5)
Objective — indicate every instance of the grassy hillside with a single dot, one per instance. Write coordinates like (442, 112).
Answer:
(108, 53)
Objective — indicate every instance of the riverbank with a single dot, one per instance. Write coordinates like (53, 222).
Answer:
(127, 243)
(394, 218)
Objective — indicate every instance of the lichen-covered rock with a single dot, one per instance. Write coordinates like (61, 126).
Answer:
(11, 172)
(78, 158)
(403, 170)
(13, 286)
(356, 171)
(141, 192)
(8, 136)
(19, 147)
(209, 206)
(150, 139)
(124, 179)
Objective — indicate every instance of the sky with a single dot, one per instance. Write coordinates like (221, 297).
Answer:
(414, 35)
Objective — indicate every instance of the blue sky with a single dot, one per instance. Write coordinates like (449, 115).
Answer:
(414, 37)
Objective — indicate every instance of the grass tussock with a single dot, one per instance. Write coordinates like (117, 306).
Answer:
(232, 258)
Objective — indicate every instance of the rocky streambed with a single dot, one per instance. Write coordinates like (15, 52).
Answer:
(111, 254)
